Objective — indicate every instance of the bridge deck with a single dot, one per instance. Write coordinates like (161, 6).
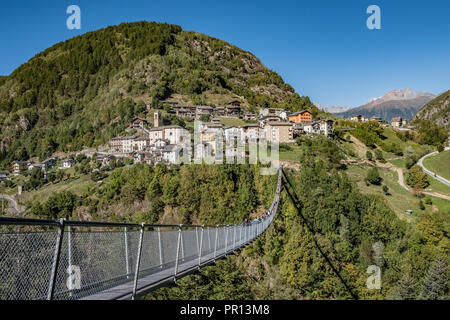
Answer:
(156, 279)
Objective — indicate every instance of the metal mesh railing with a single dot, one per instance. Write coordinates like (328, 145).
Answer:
(47, 259)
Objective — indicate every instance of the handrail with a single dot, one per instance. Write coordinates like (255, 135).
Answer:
(47, 265)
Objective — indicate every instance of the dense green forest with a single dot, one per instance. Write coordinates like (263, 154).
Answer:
(223, 194)
(81, 92)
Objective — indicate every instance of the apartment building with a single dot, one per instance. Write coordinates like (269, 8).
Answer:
(284, 130)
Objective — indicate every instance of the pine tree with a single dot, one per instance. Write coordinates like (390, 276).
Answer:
(435, 284)
(406, 290)
(344, 229)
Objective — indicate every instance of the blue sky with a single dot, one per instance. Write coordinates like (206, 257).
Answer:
(321, 47)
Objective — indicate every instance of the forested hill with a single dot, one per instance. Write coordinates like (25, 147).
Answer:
(437, 110)
(81, 92)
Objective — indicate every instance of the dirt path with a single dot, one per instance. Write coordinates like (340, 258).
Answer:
(401, 178)
(13, 207)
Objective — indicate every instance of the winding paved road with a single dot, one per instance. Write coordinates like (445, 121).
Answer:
(430, 173)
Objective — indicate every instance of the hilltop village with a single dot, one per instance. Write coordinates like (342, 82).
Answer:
(161, 143)
(153, 142)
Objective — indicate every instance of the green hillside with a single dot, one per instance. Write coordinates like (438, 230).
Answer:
(439, 164)
(81, 92)
(437, 111)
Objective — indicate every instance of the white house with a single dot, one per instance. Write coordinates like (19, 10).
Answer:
(140, 144)
(33, 165)
(250, 132)
(171, 153)
(174, 134)
(283, 115)
(122, 144)
(324, 127)
(397, 122)
(327, 127)
(68, 163)
(232, 133)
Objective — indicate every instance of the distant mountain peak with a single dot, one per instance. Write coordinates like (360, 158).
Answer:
(395, 103)
(332, 109)
(399, 94)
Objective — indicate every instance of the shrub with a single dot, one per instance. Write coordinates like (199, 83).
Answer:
(421, 205)
(373, 176)
(416, 178)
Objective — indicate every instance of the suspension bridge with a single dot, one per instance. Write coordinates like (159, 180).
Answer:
(74, 260)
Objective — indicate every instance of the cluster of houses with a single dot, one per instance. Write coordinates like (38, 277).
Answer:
(396, 122)
(21, 166)
(361, 118)
(232, 110)
(163, 144)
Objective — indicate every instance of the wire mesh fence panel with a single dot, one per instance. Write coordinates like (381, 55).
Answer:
(190, 244)
(133, 245)
(25, 264)
(150, 258)
(208, 241)
(231, 237)
(169, 241)
(91, 262)
(222, 239)
(206, 248)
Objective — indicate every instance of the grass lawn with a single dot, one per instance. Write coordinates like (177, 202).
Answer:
(401, 163)
(78, 186)
(439, 164)
(292, 155)
(228, 122)
(399, 199)
(437, 186)
(392, 138)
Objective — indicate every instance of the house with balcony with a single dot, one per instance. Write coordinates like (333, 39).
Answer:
(397, 122)
(303, 116)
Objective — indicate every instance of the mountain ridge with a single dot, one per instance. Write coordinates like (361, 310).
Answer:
(437, 110)
(395, 103)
